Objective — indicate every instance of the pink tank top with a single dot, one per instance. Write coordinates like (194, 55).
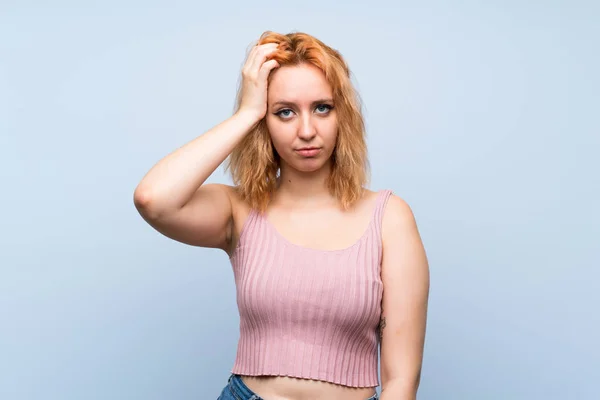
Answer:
(309, 313)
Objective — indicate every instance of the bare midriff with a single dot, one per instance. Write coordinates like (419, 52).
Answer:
(289, 388)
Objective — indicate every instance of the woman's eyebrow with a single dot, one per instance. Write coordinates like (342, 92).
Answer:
(291, 103)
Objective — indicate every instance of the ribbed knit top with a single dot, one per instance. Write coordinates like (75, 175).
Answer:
(309, 313)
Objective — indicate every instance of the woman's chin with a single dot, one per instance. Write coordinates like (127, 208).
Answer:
(308, 165)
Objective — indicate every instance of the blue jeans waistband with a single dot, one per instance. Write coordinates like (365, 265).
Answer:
(240, 389)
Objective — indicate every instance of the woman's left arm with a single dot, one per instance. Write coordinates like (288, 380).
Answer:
(405, 276)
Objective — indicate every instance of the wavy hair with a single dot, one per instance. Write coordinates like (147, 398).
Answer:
(254, 163)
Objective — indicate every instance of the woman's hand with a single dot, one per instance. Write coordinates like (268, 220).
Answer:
(254, 80)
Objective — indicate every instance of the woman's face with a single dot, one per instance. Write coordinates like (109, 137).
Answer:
(300, 117)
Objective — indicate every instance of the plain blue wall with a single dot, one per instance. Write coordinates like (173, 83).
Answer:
(484, 116)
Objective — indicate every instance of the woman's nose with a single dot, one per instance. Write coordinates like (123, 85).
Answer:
(307, 128)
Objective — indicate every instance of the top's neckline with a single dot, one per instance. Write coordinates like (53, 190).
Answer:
(358, 241)
(289, 243)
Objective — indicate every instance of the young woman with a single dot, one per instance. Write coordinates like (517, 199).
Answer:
(325, 269)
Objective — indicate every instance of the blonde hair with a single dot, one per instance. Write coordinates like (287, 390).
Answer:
(254, 163)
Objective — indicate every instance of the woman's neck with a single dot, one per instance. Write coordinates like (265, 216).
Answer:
(302, 189)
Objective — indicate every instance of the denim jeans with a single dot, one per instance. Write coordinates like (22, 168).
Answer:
(236, 389)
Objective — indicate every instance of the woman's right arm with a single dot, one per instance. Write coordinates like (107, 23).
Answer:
(172, 196)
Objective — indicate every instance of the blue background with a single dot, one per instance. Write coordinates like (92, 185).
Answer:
(483, 116)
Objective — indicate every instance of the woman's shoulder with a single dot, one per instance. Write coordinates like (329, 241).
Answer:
(395, 208)
(397, 212)
(370, 196)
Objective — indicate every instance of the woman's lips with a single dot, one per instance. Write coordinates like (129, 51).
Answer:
(308, 152)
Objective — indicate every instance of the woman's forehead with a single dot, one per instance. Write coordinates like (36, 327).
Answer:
(298, 84)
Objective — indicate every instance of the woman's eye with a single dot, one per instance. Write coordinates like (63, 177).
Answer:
(324, 107)
(283, 114)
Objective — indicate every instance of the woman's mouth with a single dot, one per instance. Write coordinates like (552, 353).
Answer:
(309, 151)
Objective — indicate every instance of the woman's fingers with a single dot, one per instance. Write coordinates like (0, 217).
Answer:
(257, 57)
